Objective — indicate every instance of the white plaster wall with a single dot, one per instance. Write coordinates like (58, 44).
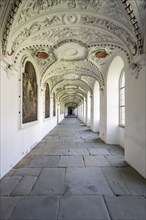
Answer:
(75, 112)
(103, 113)
(61, 117)
(84, 105)
(66, 111)
(88, 109)
(80, 112)
(135, 145)
(95, 108)
(103, 122)
(121, 136)
(16, 142)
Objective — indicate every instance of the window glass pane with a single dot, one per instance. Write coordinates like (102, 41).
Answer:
(122, 99)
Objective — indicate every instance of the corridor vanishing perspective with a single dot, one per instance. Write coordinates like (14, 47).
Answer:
(73, 175)
(73, 109)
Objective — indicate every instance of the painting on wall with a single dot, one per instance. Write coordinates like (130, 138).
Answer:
(54, 105)
(47, 101)
(29, 87)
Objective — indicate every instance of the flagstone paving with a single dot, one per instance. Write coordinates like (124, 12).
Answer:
(73, 175)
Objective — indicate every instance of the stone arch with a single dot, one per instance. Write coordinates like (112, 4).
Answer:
(112, 97)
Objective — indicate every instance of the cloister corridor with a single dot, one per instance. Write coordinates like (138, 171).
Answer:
(73, 175)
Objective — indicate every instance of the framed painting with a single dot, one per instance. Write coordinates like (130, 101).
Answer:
(29, 91)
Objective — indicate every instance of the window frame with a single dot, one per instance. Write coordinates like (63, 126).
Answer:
(121, 87)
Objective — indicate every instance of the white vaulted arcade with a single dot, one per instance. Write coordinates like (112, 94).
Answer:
(81, 57)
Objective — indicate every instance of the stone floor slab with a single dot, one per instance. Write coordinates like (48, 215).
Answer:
(126, 207)
(117, 161)
(7, 205)
(24, 162)
(44, 161)
(36, 208)
(57, 151)
(39, 145)
(27, 172)
(83, 208)
(39, 151)
(71, 161)
(50, 182)
(61, 145)
(84, 145)
(8, 184)
(86, 181)
(100, 145)
(73, 140)
(79, 151)
(93, 161)
(99, 151)
(25, 186)
(54, 140)
(125, 181)
(115, 150)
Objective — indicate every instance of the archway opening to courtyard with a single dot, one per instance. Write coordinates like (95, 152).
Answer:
(113, 132)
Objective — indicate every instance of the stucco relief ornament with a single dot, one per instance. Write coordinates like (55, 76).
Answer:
(8, 68)
(89, 35)
(36, 7)
(116, 30)
(70, 19)
(142, 8)
(110, 7)
(52, 20)
(135, 69)
(56, 34)
(136, 66)
(34, 28)
(24, 16)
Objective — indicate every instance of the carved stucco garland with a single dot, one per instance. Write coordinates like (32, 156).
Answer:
(108, 7)
(137, 64)
(71, 4)
(38, 26)
(8, 68)
(58, 33)
(84, 72)
(120, 32)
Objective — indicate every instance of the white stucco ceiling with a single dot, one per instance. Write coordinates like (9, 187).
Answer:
(70, 33)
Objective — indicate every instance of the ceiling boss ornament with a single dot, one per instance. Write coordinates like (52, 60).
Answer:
(70, 19)
(102, 53)
(42, 55)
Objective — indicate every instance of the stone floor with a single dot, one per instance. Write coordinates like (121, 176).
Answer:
(72, 175)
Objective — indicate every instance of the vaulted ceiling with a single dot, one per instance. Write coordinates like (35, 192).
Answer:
(71, 41)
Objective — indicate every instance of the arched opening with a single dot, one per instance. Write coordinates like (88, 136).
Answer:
(70, 110)
(29, 91)
(114, 135)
